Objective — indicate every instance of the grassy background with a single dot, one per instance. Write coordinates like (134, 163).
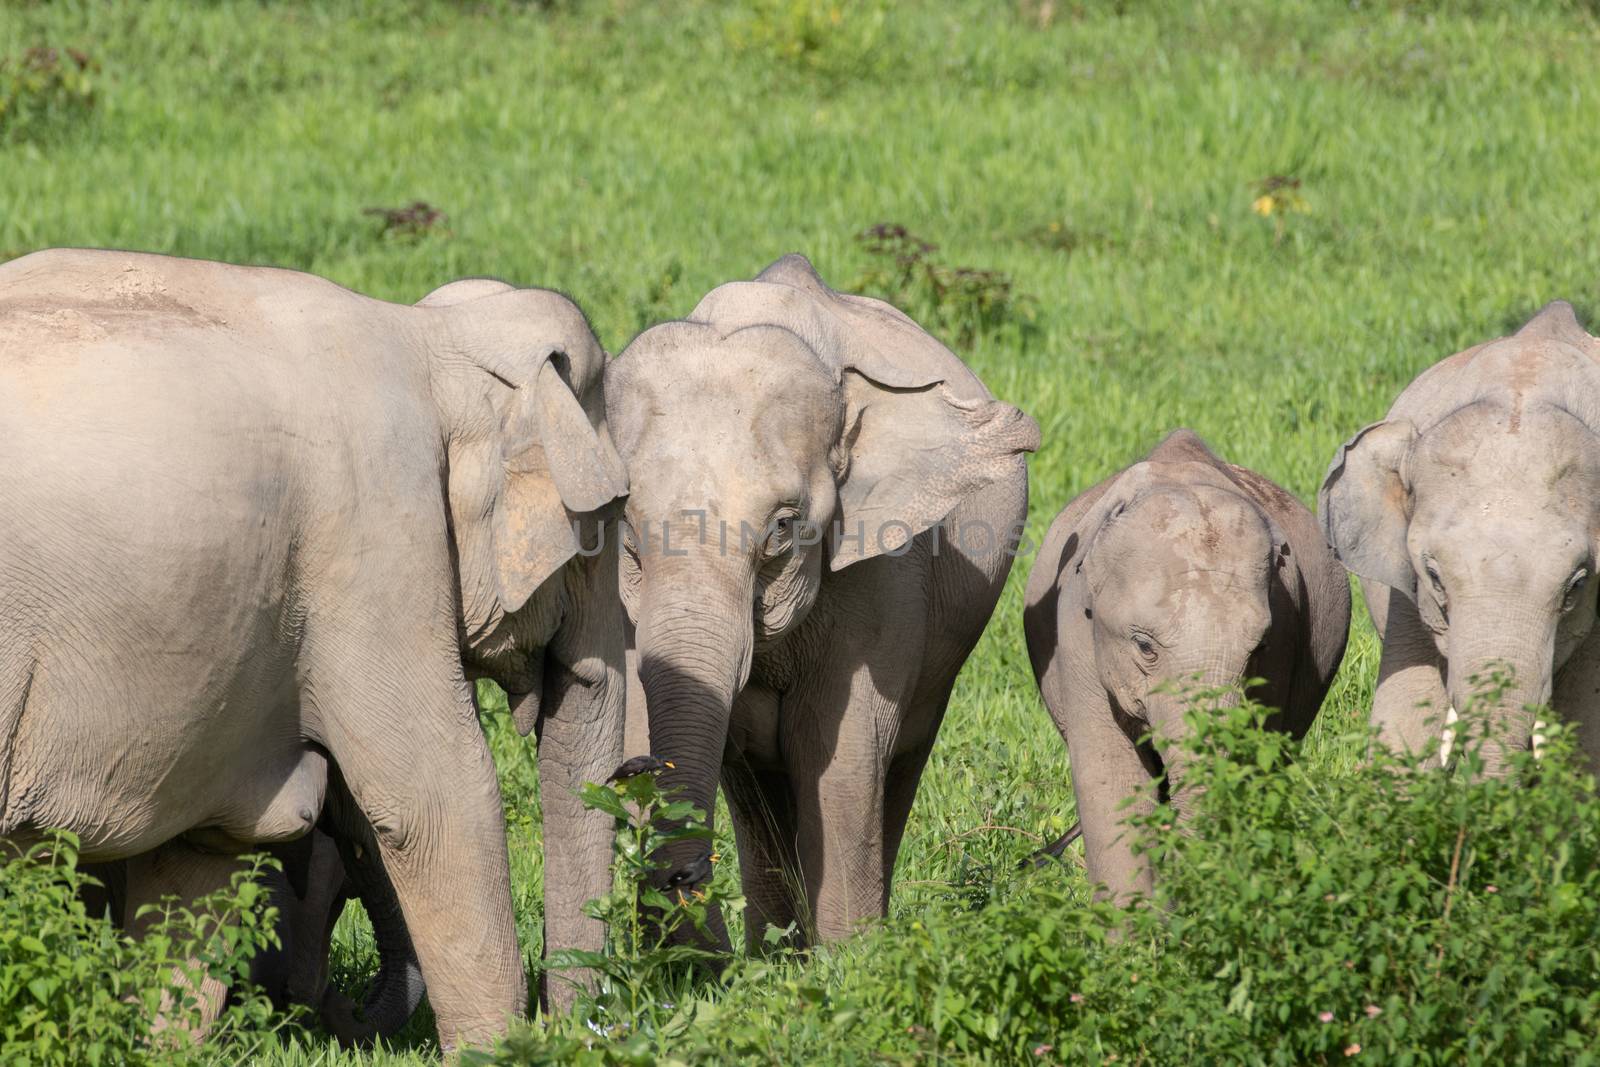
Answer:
(1104, 156)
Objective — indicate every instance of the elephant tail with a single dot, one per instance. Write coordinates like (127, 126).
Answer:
(1053, 850)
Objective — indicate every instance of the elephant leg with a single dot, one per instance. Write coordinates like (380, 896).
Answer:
(107, 899)
(580, 736)
(1577, 696)
(418, 768)
(1410, 703)
(1110, 783)
(761, 804)
(837, 761)
(177, 869)
(900, 790)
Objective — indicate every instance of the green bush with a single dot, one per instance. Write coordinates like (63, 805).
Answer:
(76, 990)
(1391, 914)
(835, 40)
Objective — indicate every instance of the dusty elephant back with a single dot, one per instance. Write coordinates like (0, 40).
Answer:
(1550, 359)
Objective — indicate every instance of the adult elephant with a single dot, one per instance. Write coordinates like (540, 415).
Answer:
(801, 614)
(1470, 515)
(252, 526)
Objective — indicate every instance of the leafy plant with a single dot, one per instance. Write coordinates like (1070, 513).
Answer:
(1395, 913)
(75, 990)
(962, 302)
(828, 37)
(656, 938)
(43, 87)
(1278, 196)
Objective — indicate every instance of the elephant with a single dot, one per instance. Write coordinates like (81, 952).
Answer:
(1470, 514)
(1181, 568)
(824, 505)
(336, 863)
(257, 533)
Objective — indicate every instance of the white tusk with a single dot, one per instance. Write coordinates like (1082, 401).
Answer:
(1538, 738)
(1447, 737)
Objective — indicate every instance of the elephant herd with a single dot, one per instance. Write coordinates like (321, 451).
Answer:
(259, 534)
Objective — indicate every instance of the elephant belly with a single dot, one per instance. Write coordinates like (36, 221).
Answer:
(132, 740)
(277, 801)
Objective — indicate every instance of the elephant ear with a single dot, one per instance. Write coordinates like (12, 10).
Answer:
(1104, 512)
(909, 456)
(558, 466)
(517, 496)
(1363, 505)
(920, 432)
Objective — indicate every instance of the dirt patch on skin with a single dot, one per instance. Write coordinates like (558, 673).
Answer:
(57, 324)
(90, 307)
(1525, 371)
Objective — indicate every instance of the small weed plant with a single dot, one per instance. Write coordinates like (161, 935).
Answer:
(43, 88)
(961, 303)
(832, 39)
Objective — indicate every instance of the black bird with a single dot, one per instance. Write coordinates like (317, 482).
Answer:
(638, 765)
(690, 874)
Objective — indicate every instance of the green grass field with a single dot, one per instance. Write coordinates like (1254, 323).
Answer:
(1105, 156)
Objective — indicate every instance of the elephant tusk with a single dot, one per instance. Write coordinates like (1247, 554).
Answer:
(1447, 737)
(1538, 738)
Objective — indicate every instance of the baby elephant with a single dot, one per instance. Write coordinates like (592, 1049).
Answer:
(1181, 566)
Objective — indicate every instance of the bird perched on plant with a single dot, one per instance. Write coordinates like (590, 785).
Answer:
(691, 874)
(639, 765)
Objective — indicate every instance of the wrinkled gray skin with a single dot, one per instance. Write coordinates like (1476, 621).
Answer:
(1470, 515)
(253, 525)
(808, 671)
(1183, 568)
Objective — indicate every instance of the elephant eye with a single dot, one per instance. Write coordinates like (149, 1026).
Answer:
(1575, 589)
(1432, 570)
(1145, 645)
(780, 537)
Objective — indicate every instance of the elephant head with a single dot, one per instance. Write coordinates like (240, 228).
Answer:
(782, 433)
(532, 476)
(1180, 571)
(532, 470)
(1485, 514)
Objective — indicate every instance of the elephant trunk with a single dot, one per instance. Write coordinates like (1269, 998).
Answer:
(1501, 655)
(1165, 713)
(695, 640)
(397, 989)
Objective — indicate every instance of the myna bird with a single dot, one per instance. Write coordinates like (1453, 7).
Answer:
(638, 765)
(690, 874)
